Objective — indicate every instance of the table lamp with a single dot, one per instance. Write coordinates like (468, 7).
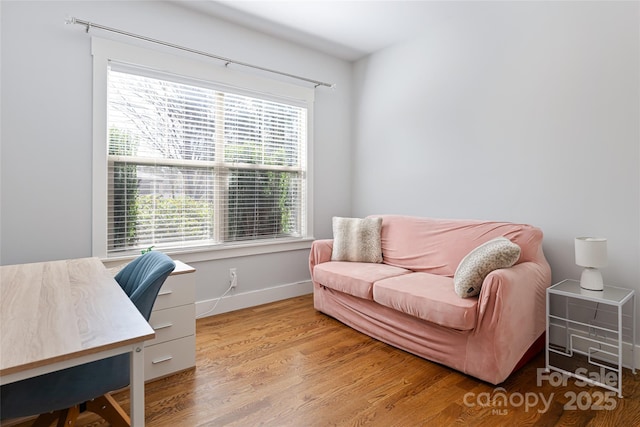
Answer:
(591, 253)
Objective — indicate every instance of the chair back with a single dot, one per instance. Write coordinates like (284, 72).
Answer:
(143, 277)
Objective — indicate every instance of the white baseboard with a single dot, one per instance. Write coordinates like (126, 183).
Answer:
(251, 299)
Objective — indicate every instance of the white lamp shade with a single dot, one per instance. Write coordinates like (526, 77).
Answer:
(591, 252)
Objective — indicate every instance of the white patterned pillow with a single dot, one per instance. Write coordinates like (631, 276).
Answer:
(356, 239)
(492, 255)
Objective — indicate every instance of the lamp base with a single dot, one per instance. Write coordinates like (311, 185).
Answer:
(591, 279)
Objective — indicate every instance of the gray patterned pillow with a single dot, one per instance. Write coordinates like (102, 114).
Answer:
(492, 255)
(356, 239)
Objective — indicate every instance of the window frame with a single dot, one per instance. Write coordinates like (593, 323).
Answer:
(104, 51)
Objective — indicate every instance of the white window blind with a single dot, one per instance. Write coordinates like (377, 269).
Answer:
(192, 165)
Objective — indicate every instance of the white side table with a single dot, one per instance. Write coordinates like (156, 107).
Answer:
(586, 332)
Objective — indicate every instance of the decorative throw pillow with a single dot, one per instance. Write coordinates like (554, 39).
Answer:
(492, 255)
(357, 240)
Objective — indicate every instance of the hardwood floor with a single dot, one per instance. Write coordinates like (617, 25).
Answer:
(284, 364)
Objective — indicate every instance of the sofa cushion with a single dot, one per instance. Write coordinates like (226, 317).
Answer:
(437, 246)
(474, 267)
(429, 297)
(354, 278)
(356, 239)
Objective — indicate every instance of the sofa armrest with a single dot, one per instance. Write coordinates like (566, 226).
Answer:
(519, 290)
(511, 317)
(320, 252)
(512, 306)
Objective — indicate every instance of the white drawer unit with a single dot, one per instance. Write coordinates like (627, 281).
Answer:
(173, 319)
(169, 357)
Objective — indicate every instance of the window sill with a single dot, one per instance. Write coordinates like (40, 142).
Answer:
(223, 251)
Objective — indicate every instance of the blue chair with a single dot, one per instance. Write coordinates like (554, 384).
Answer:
(64, 394)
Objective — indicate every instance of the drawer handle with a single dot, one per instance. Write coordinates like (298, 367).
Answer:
(164, 359)
(164, 293)
(163, 326)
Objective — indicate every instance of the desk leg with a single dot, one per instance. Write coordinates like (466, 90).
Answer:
(137, 386)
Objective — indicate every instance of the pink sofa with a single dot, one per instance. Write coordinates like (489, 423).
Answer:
(409, 301)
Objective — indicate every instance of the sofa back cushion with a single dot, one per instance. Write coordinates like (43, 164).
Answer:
(437, 246)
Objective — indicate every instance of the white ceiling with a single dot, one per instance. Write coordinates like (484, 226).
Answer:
(343, 28)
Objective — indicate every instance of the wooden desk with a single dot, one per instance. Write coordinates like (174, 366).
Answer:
(54, 315)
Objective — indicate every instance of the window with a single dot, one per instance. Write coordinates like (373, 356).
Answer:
(195, 163)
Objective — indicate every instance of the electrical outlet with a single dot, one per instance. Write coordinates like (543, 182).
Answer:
(233, 277)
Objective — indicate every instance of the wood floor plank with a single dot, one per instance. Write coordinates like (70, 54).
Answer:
(284, 364)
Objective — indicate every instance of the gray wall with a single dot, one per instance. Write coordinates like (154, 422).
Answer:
(518, 111)
(46, 146)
